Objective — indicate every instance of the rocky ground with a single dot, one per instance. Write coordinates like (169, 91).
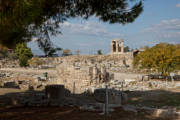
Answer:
(139, 107)
(70, 113)
(144, 99)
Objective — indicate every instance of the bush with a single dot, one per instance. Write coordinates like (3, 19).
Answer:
(99, 52)
(23, 61)
(163, 57)
(23, 53)
(35, 62)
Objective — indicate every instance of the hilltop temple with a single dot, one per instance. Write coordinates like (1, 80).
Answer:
(117, 46)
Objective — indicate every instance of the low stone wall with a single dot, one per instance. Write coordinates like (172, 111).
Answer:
(124, 59)
(7, 63)
(120, 60)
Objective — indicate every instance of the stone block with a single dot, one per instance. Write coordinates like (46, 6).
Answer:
(115, 97)
(55, 92)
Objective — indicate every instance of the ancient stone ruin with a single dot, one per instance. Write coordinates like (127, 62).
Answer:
(117, 46)
(78, 76)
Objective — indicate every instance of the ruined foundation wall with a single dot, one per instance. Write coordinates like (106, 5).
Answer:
(120, 59)
(78, 73)
(77, 79)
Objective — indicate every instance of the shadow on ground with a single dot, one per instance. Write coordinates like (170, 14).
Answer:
(11, 107)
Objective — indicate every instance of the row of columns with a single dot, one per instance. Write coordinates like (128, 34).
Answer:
(117, 46)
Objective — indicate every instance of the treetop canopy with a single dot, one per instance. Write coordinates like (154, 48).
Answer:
(22, 20)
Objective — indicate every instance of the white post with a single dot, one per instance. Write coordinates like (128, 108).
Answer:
(172, 75)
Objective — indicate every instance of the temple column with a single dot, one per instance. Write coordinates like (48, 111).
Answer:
(117, 47)
(112, 49)
(122, 46)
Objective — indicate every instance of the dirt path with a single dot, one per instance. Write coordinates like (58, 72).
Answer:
(67, 113)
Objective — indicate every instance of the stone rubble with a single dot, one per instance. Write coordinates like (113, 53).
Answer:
(88, 74)
(24, 81)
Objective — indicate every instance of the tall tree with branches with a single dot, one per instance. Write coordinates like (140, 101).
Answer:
(24, 20)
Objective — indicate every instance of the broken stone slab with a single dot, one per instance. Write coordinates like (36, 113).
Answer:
(88, 108)
(145, 78)
(91, 89)
(114, 105)
(2, 75)
(1, 83)
(129, 108)
(98, 107)
(165, 113)
(24, 87)
(117, 82)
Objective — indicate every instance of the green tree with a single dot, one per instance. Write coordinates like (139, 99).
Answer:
(47, 48)
(24, 54)
(99, 52)
(23, 20)
(163, 57)
(126, 49)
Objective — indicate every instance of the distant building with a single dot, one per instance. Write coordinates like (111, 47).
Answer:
(137, 51)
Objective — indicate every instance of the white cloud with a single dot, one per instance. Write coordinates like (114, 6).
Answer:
(88, 28)
(173, 24)
(178, 5)
(165, 29)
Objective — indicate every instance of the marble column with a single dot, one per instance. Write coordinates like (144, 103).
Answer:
(122, 46)
(117, 47)
(112, 47)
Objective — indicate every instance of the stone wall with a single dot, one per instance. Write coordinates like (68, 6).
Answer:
(78, 73)
(77, 78)
(8, 63)
(120, 60)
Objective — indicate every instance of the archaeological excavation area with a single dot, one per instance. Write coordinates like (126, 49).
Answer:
(89, 87)
(89, 60)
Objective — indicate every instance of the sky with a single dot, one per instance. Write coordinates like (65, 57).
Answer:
(159, 22)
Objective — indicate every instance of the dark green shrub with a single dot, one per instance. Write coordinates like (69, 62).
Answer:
(23, 53)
